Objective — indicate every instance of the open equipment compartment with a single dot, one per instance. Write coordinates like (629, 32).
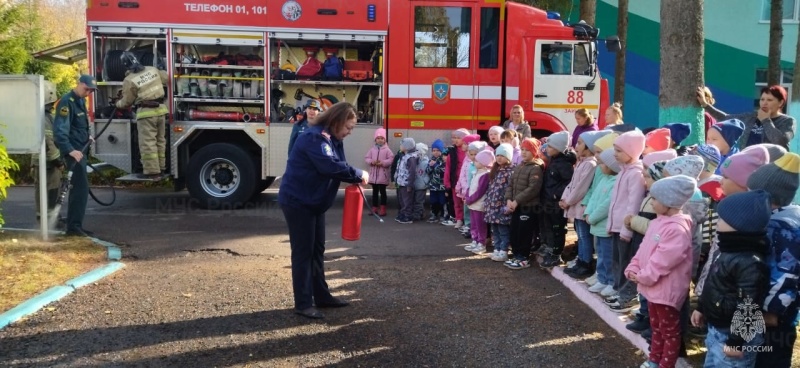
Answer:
(218, 76)
(326, 68)
(119, 145)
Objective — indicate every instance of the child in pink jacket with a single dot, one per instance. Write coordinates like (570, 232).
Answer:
(573, 209)
(662, 267)
(626, 196)
(379, 158)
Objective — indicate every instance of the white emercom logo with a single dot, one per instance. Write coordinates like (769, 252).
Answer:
(747, 320)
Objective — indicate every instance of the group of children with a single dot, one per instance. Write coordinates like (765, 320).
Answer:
(652, 219)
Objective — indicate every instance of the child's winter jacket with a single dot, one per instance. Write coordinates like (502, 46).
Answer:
(557, 176)
(379, 174)
(477, 190)
(436, 174)
(495, 201)
(626, 197)
(578, 187)
(596, 212)
(663, 264)
(526, 183)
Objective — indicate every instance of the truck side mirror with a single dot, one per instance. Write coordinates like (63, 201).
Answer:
(613, 44)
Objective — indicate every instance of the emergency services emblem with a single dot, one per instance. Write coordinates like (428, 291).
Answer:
(441, 90)
(291, 10)
(748, 320)
(326, 150)
(64, 111)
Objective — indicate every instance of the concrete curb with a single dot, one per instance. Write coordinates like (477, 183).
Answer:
(55, 293)
(613, 319)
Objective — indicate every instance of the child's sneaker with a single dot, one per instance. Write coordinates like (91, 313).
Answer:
(448, 222)
(459, 224)
(519, 264)
(608, 291)
(649, 364)
(623, 306)
(596, 288)
(433, 219)
(571, 264)
(591, 280)
(405, 220)
(500, 256)
(471, 246)
(550, 261)
(479, 249)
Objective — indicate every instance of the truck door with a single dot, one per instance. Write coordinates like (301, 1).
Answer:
(563, 78)
(441, 90)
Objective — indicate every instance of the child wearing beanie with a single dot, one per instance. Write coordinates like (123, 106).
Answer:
(775, 151)
(661, 267)
(626, 197)
(665, 155)
(596, 215)
(510, 136)
(557, 176)
(421, 182)
(478, 185)
(474, 145)
(379, 158)
(724, 136)
(435, 171)
(405, 177)
(780, 180)
(657, 140)
(495, 211)
(678, 132)
(603, 140)
(639, 224)
(571, 200)
(494, 136)
(522, 198)
(454, 158)
(736, 170)
(738, 280)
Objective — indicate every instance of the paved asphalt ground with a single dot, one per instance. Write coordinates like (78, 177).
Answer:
(213, 288)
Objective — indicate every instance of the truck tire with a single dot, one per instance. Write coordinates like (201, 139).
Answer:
(221, 176)
(262, 185)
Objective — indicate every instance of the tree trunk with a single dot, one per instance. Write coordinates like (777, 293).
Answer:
(622, 33)
(775, 39)
(681, 66)
(588, 11)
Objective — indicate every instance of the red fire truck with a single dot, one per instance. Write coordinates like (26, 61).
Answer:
(243, 69)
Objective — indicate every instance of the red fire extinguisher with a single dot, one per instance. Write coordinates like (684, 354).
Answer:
(351, 217)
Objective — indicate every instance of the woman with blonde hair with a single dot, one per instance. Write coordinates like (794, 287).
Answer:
(518, 123)
(613, 114)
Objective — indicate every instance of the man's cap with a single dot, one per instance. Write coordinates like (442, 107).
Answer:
(313, 104)
(88, 80)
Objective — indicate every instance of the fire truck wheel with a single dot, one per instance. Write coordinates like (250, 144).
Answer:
(221, 176)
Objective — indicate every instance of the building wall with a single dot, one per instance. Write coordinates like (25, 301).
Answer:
(736, 45)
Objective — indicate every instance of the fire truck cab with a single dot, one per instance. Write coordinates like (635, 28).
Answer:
(243, 70)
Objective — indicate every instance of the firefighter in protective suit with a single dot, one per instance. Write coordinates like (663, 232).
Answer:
(54, 163)
(143, 88)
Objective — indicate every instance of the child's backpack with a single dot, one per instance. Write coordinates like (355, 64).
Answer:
(423, 179)
(311, 68)
(333, 68)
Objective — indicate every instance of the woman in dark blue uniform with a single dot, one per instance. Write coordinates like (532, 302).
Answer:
(314, 171)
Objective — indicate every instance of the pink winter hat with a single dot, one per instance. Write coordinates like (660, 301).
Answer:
(485, 157)
(740, 166)
(470, 138)
(632, 143)
(380, 133)
(658, 139)
(461, 133)
(665, 155)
